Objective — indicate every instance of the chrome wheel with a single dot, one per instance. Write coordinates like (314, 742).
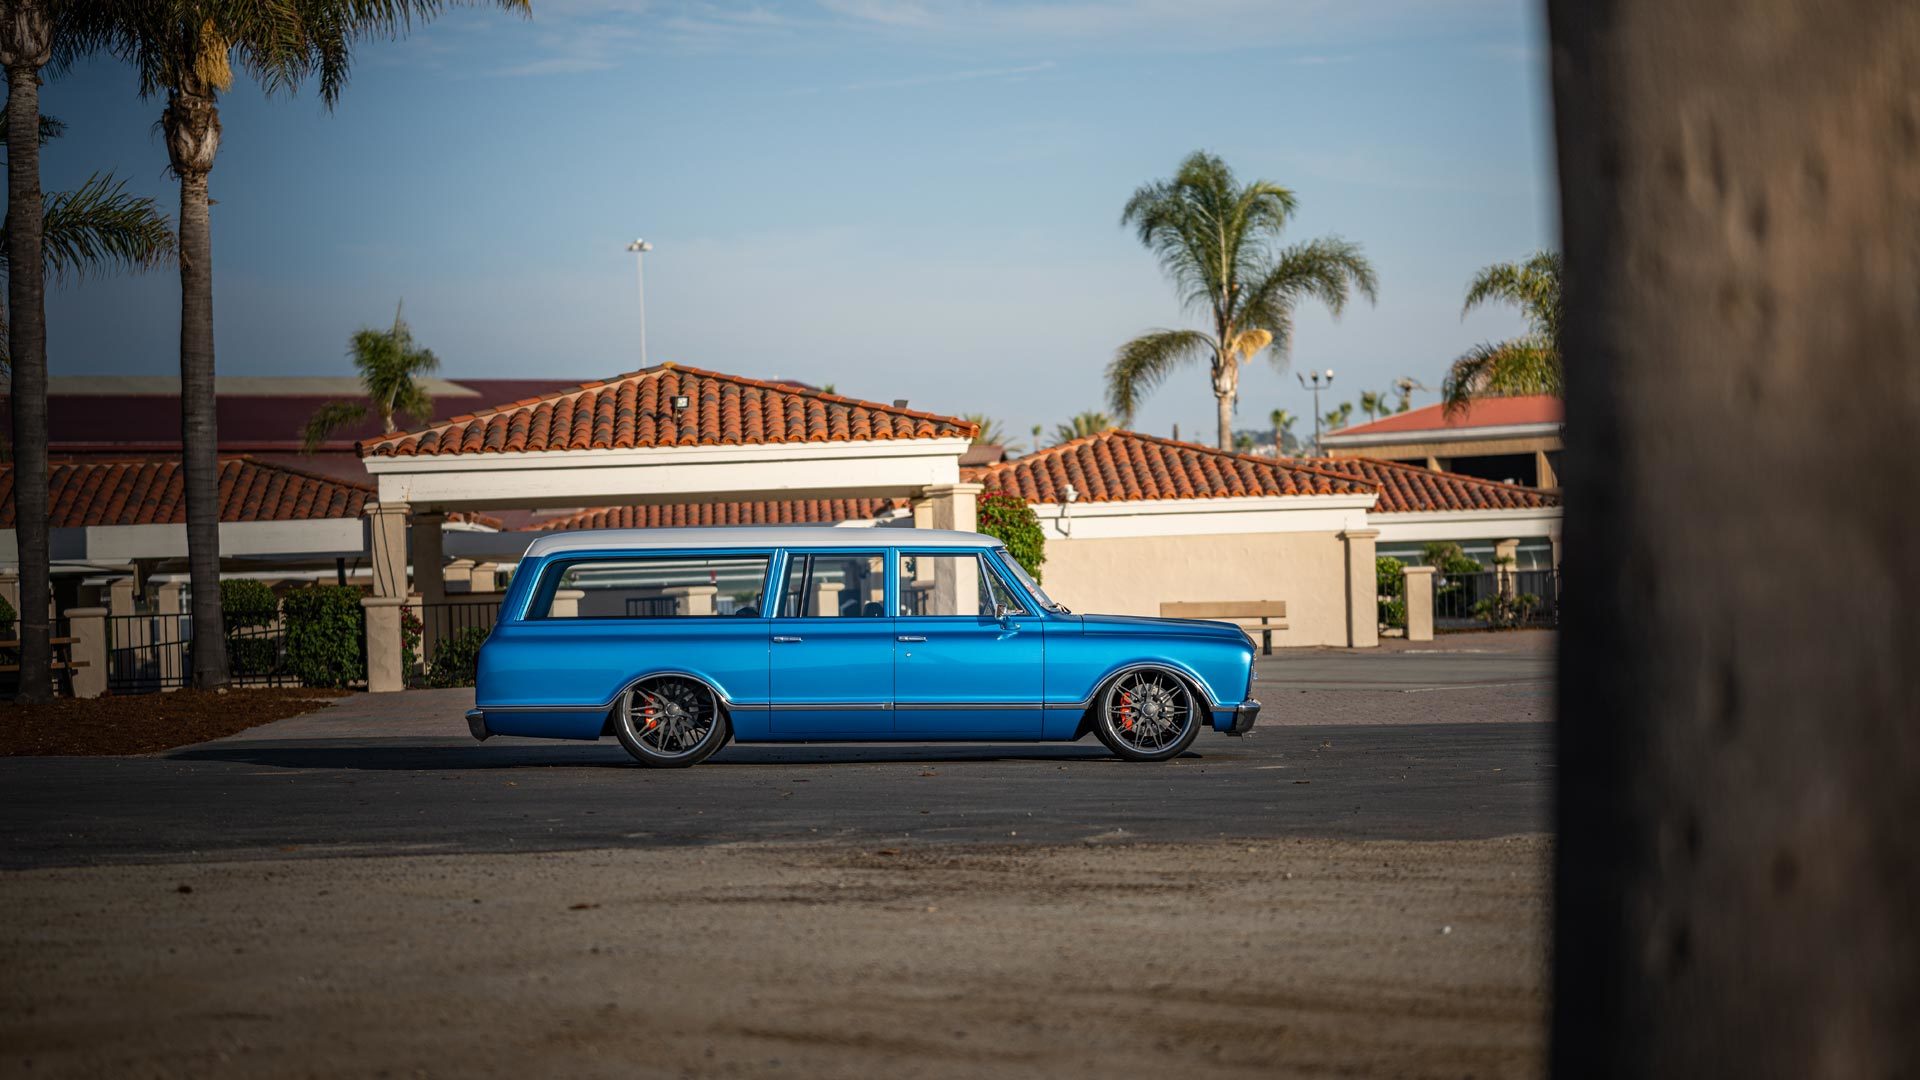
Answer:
(671, 720)
(1148, 714)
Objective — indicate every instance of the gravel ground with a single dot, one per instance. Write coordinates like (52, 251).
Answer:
(1291, 958)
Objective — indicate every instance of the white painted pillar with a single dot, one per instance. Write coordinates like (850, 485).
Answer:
(1420, 603)
(688, 599)
(387, 662)
(387, 547)
(1363, 589)
(952, 506)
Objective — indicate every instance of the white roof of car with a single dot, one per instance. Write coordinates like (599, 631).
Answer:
(754, 536)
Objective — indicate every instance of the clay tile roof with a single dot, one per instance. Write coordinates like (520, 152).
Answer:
(765, 512)
(1407, 488)
(92, 493)
(636, 410)
(1125, 466)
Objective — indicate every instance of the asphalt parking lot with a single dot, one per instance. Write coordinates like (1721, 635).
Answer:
(1357, 889)
(1442, 741)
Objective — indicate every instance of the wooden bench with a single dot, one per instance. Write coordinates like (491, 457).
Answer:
(1265, 616)
(63, 661)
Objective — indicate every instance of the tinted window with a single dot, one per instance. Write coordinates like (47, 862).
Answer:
(957, 585)
(654, 587)
(829, 584)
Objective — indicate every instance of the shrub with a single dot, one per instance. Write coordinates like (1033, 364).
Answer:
(325, 630)
(1010, 520)
(244, 605)
(1503, 612)
(7, 616)
(455, 657)
(411, 631)
(1390, 589)
(247, 603)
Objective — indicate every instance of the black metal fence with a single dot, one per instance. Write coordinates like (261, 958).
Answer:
(442, 620)
(150, 653)
(1496, 598)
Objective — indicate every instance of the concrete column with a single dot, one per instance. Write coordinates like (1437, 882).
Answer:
(88, 628)
(485, 578)
(459, 576)
(922, 513)
(1420, 603)
(1434, 463)
(1543, 471)
(429, 575)
(687, 599)
(566, 604)
(387, 662)
(169, 598)
(1506, 560)
(387, 547)
(1363, 589)
(1554, 539)
(953, 506)
(120, 596)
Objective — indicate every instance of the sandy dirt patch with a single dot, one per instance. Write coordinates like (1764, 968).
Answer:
(1290, 958)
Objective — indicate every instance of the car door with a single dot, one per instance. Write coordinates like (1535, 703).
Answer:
(832, 647)
(960, 670)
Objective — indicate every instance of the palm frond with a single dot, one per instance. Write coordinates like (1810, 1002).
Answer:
(328, 419)
(990, 432)
(1142, 363)
(1532, 286)
(1083, 425)
(1502, 369)
(99, 226)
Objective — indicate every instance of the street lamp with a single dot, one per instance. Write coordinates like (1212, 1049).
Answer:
(1316, 381)
(640, 249)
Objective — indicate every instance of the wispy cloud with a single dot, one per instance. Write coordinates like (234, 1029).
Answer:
(953, 77)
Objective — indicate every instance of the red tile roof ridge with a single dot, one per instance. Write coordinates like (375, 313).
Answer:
(362, 446)
(1424, 471)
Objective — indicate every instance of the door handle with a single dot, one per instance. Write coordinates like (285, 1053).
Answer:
(911, 637)
(779, 640)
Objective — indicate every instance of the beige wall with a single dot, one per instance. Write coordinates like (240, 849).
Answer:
(1133, 575)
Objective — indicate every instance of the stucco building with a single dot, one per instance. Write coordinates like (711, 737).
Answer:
(1511, 439)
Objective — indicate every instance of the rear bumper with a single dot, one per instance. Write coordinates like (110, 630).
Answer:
(1239, 720)
(477, 723)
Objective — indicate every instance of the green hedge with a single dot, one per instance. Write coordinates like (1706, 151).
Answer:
(247, 603)
(1390, 588)
(1010, 520)
(7, 616)
(326, 631)
(455, 657)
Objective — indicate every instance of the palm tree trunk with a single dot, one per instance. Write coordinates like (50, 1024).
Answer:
(27, 42)
(1737, 868)
(199, 436)
(1225, 404)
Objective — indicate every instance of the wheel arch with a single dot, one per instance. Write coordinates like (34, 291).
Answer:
(720, 698)
(1194, 685)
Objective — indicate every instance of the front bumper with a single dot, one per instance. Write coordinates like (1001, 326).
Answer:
(1244, 714)
(477, 723)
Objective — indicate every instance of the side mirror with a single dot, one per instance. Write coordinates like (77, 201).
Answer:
(1000, 611)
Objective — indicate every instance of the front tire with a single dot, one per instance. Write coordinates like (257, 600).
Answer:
(1147, 714)
(671, 722)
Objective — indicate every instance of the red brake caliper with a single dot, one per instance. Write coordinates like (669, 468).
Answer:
(1126, 710)
(648, 712)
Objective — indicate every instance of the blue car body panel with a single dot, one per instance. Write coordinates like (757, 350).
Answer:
(1029, 676)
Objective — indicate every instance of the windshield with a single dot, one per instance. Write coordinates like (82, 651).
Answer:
(1039, 594)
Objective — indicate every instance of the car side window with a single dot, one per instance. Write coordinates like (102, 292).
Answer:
(958, 584)
(834, 584)
(653, 587)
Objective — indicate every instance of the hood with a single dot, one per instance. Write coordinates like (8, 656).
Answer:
(1147, 624)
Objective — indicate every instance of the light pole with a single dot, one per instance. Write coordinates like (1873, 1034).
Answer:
(1316, 381)
(640, 249)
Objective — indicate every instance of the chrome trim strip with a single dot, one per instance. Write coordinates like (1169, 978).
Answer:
(935, 705)
(837, 706)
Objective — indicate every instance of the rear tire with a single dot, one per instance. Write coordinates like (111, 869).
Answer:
(671, 722)
(1147, 714)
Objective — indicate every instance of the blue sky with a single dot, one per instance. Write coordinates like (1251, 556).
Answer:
(904, 198)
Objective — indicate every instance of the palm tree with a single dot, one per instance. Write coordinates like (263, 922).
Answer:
(1283, 422)
(1374, 404)
(186, 49)
(990, 433)
(26, 44)
(96, 226)
(388, 362)
(1037, 429)
(1219, 243)
(1082, 425)
(1338, 418)
(1529, 364)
